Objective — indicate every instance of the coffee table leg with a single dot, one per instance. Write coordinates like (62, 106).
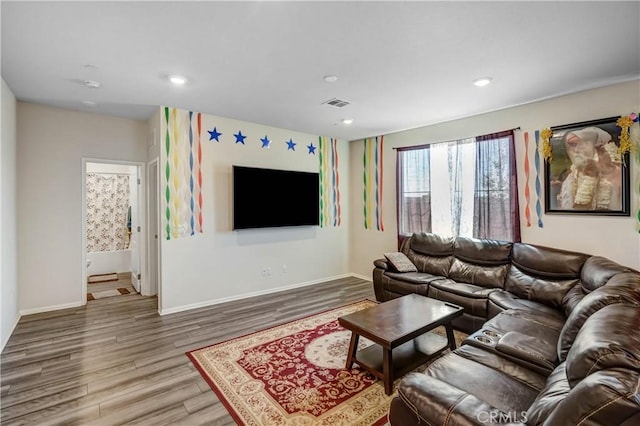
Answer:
(450, 337)
(387, 370)
(353, 347)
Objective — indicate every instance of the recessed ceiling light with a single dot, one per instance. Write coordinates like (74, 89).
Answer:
(330, 78)
(178, 80)
(347, 121)
(91, 84)
(480, 82)
(90, 104)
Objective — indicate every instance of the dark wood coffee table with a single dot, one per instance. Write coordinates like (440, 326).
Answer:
(399, 328)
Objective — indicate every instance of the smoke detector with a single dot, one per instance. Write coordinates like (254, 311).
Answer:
(338, 103)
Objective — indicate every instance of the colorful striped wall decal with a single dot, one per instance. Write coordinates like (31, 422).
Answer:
(183, 172)
(527, 194)
(537, 164)
(330, 209)
(167, 174)
(199, 229)
(372, 182)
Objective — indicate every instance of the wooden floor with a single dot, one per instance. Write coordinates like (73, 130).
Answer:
(116, 361)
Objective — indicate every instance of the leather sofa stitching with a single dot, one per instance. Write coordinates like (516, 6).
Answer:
(598, 409)
(412, 407)
(545, 274)
(450, 411)
(466, 356)
(596, 363)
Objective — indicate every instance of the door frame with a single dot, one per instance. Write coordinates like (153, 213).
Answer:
(142, 207)
(150, 235)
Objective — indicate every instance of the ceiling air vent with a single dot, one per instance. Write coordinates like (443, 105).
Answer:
(338, 103)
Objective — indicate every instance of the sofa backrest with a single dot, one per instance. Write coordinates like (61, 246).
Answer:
(480, 262)
(598, 382)
(543, 274)
(621, 288)
(431, 253)
(596, 272)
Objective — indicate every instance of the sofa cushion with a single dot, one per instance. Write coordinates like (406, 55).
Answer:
(485, 276)
(463, 289)
(480, 262)
(413, 277)
(530, 378)
(431, 244)
(603, 398)
(546, 262)
(507, 392)
(406, 287)
(482, 252)
(507, 300)
(471, 297)
(546, 291)
(622, 288)
(598, 270)
(533, 323)
(424, 400)
(430, 253)
(400, 262)
(609, 339)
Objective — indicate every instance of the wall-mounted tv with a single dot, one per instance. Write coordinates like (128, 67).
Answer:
(265, 198)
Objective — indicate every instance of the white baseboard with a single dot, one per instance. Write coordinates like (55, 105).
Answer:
(6, 338)
(362, 277)
(254, 294)
(50, 308)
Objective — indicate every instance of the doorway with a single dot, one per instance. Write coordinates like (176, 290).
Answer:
(113, 217)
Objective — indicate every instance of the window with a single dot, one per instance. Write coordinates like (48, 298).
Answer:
(460, 188)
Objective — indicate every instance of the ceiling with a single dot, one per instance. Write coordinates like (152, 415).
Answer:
(401, 65)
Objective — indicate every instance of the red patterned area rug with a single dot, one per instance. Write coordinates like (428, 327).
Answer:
(294, 374)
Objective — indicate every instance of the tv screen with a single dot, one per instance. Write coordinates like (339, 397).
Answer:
(264, 198)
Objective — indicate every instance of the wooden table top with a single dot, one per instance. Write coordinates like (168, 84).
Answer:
(397, 321)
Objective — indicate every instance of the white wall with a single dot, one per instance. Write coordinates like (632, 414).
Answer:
(221, 264)
(9, 315)
(614, 237)
(51, 145)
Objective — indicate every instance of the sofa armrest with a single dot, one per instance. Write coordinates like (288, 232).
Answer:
(382, 264)
(429, 401)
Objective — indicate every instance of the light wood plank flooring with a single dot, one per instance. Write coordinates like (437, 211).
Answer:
(116, 361)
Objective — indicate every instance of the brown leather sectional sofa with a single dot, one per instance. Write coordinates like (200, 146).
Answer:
(555, 335)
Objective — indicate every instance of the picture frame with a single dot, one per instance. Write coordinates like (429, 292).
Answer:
(586, 174)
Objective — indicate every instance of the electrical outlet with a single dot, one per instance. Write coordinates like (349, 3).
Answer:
(284, 269)
(264, 272)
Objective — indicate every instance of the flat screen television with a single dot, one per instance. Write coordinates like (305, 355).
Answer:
(266, 198)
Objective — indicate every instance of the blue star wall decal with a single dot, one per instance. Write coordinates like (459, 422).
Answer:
(239, 137)
(311, 148)
(214, 134)
(291, 145)
(265, 142)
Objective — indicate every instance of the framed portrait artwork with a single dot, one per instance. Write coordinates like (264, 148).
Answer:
(587, 174)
